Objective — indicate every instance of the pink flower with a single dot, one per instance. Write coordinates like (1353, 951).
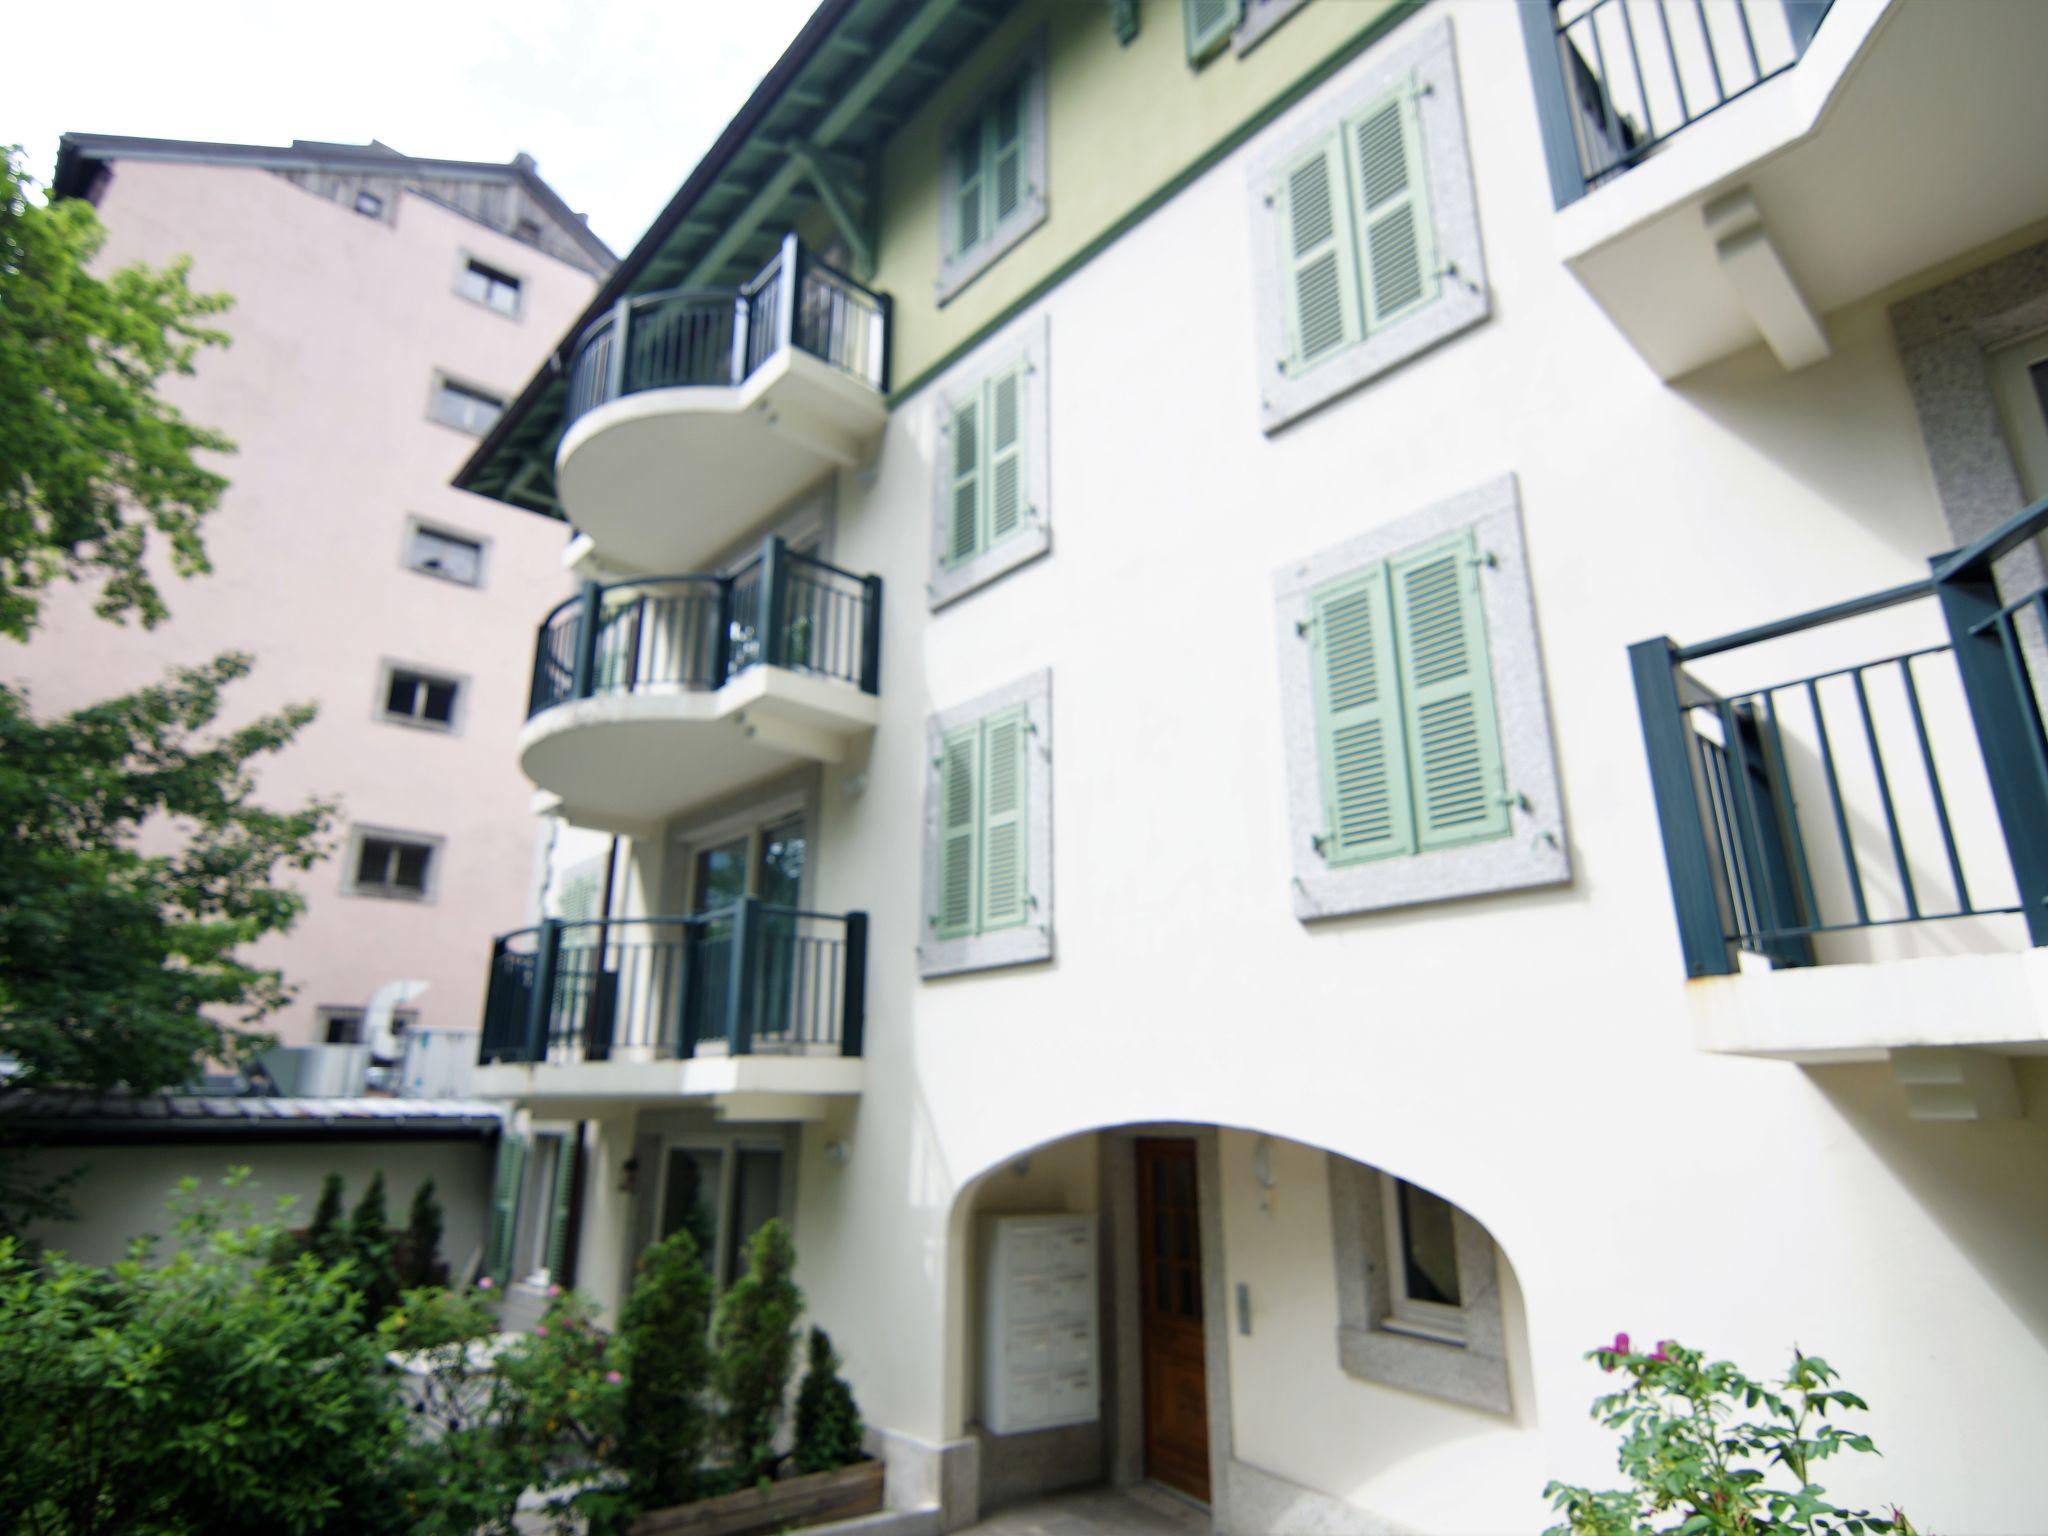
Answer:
(484, 1284)
(540, 1330)
(1663, 1351)
(1620, 1344)
(613, 1377)
(554, 1290)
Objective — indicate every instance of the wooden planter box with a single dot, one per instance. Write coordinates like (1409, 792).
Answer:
(795, 1501)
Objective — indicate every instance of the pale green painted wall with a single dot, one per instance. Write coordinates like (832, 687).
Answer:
(1121, 123)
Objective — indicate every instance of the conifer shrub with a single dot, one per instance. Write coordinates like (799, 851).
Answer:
(419, 1249)
(666, 1360)
(756, 1343)
(327, 1238)
(828, 1427)
(370, 1245)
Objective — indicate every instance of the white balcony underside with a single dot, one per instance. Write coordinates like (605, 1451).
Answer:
(762, 1087)
(1909, 134)
(621, 762)
(664, 479)
(1827, 1014)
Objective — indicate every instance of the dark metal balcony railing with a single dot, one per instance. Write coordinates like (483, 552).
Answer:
(669, 633)
(1616, 78)
(1896, 824)
(758, 979)
(684, 336)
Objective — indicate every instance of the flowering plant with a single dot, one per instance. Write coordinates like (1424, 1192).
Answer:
(1699, 1467)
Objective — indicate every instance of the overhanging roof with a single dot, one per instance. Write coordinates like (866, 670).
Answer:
(67, 1119)
(81, 155)
(856, 72)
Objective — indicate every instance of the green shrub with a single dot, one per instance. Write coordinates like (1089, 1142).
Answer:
(828, 1428)
(756, 1343)
(1698, 1467)
(419, 1250)
(667, 1365)
(373, 1251)
(327, 1237)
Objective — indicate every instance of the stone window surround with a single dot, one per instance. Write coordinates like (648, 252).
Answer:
(415, 524)
(1463, 299)
(1029, 941)
(352, 860)
(459, 710)
(1535, 851)
(465, 259)
(1031, 339)
(957, 270)
(1475, 1372)
(1945, 336)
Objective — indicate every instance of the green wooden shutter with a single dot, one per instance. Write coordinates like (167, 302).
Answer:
(1209, 25)
(1005, 893)
(1319, 269)
(970, 185)
(1392, 206)
(963, 509)
(1006, 133)
(565, 1198)
(1447, 695)
(1366, 811)
(504, 1205)
(1005, 471)
(959, 831)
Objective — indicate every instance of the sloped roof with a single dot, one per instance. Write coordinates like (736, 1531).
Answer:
(84, 1118)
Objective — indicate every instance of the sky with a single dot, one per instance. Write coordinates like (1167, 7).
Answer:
(617, 99)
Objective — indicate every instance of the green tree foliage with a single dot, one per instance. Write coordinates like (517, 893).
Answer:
(327, 1236)
(210, 1392)
(94, 460)
(666, 1360)
(373, 1248)
(419, 1250)
(828, 1427)
(1702, 1445)
(756, 1342)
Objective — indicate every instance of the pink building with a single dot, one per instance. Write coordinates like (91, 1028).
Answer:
(385, 309)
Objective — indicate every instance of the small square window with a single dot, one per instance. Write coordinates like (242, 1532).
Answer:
(436, 552)
(488, 286)
(420, 698)
(465, 408)
(529, 231)
(1424, 1296)
(346, 1026)
(393, 864)
(370, 205)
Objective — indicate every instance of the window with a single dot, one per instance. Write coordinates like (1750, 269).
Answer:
(528, 230)
(1209, 25)
(531, 1207)
(990, 507)
(1418, 1290)
(420, 698)
(344, 1026)
(465, 408)
(1367, 248)
(993, 190)
(370, 205)
(1405, 725)
(438, 552)
(392, 864)
(1260, 18)
(1419, 763)
(723, 1192)
(988, 834)
(488, 286)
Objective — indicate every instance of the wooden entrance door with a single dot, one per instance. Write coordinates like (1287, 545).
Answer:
(1170, 1317)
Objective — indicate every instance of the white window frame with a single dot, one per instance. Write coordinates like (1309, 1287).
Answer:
(685, 839)
(1406, 1313)
(1535, 851)
(537, 1208)
(1261, 19)
(360, 834)
(959, 268)
(1419, 59)
(730, 1148)
(445, 382)
(1032, 940)
(414, 526)
(387, 673)
(496, 276)
(1031, 341)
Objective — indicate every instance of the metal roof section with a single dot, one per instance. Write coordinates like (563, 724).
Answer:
(807, 144)
(81, 157)
(84, 1118)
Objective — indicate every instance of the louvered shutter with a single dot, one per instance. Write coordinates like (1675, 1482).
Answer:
(969, 186)
(1006, 130)
(1006, 489)
(504, 1206)
(1392, 207)
(1447, 695)
(1366, 811)
(566, 1150)
(1318, 267)
(1209, 25)
(1004, 891)
(963, 508)
(959, 829)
